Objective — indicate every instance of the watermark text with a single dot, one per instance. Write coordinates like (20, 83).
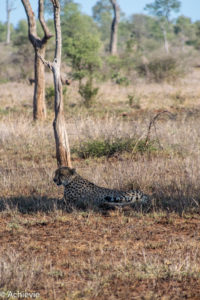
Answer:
(19, 295)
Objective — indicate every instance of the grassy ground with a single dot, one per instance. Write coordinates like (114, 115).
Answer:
(93, 255)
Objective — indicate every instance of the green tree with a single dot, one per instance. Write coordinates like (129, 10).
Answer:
(162, 9)
(102, 15)
(196, 41)
(73, 21)
(184, 30)
(24, 52)
(81, 45)
(49, 9)
(2, 32)
(145, 33)
(20, 34)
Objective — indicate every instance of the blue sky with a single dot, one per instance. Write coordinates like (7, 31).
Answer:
(189, 8)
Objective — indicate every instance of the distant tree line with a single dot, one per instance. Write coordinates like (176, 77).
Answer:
(87, 42)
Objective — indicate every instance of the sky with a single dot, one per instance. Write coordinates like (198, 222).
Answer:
(189, 8)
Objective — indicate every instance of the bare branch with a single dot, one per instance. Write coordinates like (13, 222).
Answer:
(10, 6)
(45, 62)
(58, 50)
(35, 40)
(39, 107)
(31, 22)
(47, 33)
(152, 123)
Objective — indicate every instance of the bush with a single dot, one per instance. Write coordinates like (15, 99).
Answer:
(134, 101)
(120, 80)
(100, 147)
(118, 69)
(50, 94)
(88, 93)
(83, 52)
(160, 69)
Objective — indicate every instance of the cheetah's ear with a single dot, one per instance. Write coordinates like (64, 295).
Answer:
(73, 171)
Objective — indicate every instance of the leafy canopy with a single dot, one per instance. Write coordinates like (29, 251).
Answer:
(81, 47)
(102, 14)
(101, 8)
(81, 41)
(83, 53)
(163, 8)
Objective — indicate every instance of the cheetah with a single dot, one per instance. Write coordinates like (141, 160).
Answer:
(79, 190)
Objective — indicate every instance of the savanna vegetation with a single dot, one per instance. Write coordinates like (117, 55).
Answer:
(133, 122)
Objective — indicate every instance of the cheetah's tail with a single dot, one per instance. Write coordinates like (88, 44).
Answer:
(142, 200)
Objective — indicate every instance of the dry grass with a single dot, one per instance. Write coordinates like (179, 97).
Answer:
(89, 255)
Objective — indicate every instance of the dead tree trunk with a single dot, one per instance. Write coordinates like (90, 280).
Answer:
(39, 45)
(60, 132)
(9, 8)
(114, 27)
(8, 22)
(166, 44)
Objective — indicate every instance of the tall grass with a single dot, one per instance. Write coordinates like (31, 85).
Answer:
(170, 174)
(123, 254)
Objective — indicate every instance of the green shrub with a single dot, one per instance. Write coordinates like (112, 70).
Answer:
(119, 79)
(114, 63)
(100, 147)
(160, 69)
(134, 101)
(50, 94)
(123, 80)
(84, 54)
(88, 93)
(118, 69)
(3, 80)
(4, 111)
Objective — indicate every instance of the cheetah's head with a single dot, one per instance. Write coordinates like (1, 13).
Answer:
(64, 175)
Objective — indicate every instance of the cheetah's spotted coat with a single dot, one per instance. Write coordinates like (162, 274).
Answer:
(79, 190)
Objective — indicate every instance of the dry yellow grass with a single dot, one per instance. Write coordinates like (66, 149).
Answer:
(89, 255)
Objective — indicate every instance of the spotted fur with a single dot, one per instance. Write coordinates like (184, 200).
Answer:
(79, 190)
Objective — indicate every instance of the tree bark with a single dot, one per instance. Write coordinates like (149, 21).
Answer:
(39, 105)
(166, 44)
(114, 27)
(8, 22)
(59, 126)
(39, 45)
(9, 8)
(60, 132)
